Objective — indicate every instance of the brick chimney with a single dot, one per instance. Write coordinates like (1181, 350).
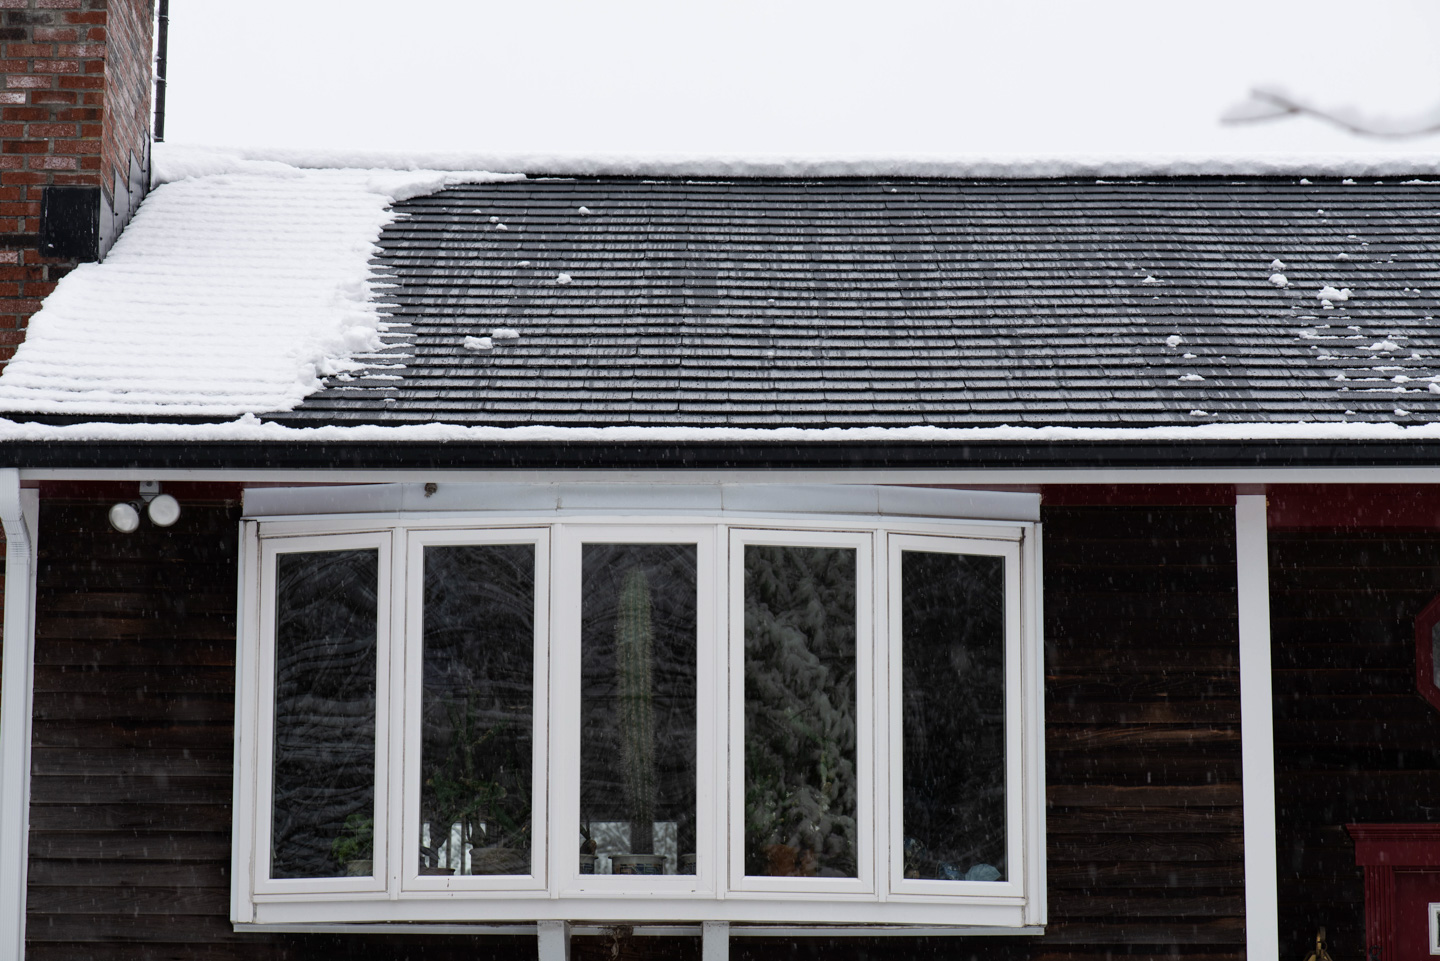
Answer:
(74, 140)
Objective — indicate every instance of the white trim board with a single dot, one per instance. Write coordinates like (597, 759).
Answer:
(668, 499)
(1257, 742)
(19, 512)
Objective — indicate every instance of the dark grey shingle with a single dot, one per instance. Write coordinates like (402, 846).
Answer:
(866, 302)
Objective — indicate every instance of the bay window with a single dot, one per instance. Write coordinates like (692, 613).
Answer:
(491, 705)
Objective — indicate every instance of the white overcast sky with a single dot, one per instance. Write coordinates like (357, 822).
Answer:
(831, 78)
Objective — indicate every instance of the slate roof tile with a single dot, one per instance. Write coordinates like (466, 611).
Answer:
(852, 302)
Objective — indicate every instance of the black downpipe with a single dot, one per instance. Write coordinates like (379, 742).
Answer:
(161, 43)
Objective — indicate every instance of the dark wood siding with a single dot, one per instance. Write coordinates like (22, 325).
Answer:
(1355, 742)
(134, 705)
(1142, 731)
(134, 702)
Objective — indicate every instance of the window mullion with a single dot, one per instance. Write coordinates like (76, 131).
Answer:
(395, 645)
(885, 766)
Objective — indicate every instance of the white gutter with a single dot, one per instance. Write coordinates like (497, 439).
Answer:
(18, 513)
(1257, 738)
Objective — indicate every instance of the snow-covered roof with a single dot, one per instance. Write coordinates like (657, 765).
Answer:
(857, 300)
(237, 286)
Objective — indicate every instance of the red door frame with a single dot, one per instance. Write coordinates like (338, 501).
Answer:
(1381, 849)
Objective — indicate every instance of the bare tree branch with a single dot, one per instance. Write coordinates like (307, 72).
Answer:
(1271, 103)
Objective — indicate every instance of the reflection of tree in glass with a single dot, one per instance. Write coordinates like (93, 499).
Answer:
(953, 715)
(800, 790)
(325, 660)
(476, 738)
(635, 701)
(620, 662)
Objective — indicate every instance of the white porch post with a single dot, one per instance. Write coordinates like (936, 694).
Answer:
(715, 941)
(553, 940)
(1257, 739)
(18, 510)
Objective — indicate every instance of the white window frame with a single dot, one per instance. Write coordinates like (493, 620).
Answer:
(741, 884)
(374, 885)
(719, 892)
(566, 682)
(413, 881)
(903, 888)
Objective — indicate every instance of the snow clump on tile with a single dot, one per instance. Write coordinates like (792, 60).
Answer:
(1172, 341)
(505, 333)
(478, 343)
(237, 287)
(1279, 280)
(1277, 264)
(1331, 293)
(563, 279)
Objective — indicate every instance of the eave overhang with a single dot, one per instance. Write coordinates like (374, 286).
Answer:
(331, 456)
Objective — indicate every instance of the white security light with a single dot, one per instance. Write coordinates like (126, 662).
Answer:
(124, 518)
(164, 510)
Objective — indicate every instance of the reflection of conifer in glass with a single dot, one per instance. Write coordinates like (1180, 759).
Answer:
(634, 665)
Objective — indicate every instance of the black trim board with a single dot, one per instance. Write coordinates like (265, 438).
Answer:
(757, 455)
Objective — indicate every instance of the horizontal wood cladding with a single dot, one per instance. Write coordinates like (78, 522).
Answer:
(1355, 742)
(130, 837)
(132, 752)
(1144, 825)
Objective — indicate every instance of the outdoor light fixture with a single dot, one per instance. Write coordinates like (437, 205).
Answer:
(162, 509)
(124, 517)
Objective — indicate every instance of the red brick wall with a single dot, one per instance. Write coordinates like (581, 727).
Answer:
(74, 110)
(126, 119)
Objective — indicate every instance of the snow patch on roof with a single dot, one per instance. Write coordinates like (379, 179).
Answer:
(237, 286)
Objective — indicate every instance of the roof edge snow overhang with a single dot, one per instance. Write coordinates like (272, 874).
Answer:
(330, 456)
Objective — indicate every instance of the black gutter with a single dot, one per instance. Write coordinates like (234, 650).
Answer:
(162, 46)
(909, 455)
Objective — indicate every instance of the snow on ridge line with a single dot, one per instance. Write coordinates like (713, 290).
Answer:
(251, 429)
(235, 288)
(173, 161)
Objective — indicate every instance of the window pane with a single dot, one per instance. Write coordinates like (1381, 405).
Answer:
(477, 720)
(953, 708)
(325, 661)
(637, 735)
(800, 792)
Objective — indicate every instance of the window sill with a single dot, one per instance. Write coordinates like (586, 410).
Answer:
(996, 916)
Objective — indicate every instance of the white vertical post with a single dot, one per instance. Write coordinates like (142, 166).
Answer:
(554, 940)
(18, 511)
(715, 941)
(1257, 739)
